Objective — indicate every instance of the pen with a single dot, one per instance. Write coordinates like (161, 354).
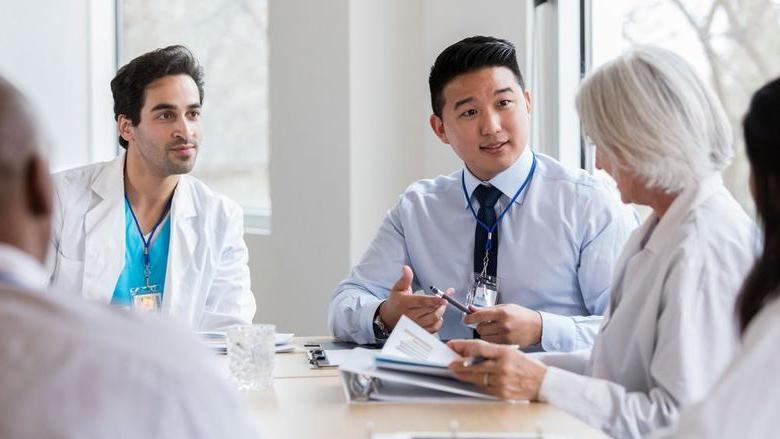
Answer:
(473, 361)
(461, 307)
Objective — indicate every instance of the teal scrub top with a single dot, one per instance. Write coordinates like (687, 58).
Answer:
(132, 275)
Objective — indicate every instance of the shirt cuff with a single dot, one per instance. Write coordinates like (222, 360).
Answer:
(366, 319)
(558, 332)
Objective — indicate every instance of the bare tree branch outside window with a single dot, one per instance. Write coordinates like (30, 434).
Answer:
(739, 41)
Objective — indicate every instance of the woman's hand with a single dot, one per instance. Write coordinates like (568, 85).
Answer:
(506, 372)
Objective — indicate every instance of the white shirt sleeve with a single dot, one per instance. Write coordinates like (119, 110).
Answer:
(230, 299)
(685, 333)
(576, 362)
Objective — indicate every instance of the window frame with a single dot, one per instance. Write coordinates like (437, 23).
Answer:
(257, 221)
(556, 129)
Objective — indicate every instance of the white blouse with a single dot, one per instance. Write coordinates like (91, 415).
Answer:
(669, 332)
(746, 400)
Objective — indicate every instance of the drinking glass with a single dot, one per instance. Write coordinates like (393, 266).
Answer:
(250, 352)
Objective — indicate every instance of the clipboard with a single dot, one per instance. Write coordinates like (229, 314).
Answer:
(316, 353)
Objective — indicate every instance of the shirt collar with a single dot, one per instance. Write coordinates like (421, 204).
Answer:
(508, 181)
(22, 268)
(689, 199)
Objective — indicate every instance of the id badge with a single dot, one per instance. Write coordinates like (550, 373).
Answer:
(146, 299)
(483, 291)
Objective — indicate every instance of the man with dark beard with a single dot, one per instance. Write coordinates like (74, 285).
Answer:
(139, 232)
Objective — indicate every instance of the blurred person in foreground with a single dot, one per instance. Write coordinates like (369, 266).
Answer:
(73, 368)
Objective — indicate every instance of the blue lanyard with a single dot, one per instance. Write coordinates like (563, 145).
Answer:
(148, 243)
(491, 229)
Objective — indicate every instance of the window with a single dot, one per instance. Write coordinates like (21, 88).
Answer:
(556, 69)
(733, 45)
(231, 41)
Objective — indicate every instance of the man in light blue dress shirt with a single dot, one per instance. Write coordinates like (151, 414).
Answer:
(558, 242)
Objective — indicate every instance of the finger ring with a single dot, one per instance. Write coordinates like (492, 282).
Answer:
(486, 379)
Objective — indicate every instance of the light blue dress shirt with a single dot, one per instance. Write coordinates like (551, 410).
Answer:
(557, 248)
(132, 274)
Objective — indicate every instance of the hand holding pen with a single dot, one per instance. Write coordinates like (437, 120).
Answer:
(425, 310)
(500, 370)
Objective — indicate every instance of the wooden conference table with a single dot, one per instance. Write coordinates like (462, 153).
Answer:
(310, 403)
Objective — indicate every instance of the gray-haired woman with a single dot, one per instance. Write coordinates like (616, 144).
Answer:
(664, 138)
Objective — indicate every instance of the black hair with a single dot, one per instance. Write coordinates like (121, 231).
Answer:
(466, 56)
(131, 80)
(762, 141)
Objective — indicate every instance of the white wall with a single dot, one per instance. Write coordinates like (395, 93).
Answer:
(60, 54)
(294, 267)
(388, 116)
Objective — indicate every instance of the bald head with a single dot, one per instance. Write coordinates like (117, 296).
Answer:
(25, 186)
(17, 137)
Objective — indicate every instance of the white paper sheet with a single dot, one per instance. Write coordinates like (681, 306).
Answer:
(412, 344)
(215, 340)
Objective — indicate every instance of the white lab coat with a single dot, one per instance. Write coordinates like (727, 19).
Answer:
(745, 402)
(207, 280)
(669, 331)
(74, 369)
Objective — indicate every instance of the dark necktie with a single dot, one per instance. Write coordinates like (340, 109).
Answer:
(487, 197)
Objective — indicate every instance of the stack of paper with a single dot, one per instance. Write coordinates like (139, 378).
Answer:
(284, 342)
(215, 340)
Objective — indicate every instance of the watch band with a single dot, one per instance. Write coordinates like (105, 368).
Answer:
(380, 329)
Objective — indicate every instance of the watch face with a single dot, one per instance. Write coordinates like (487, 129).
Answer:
(380, 331)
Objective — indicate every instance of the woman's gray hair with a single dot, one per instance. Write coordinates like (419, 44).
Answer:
(651, 115)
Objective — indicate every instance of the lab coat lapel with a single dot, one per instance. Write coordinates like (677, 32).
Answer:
(180, 276)
(104, 229)
(633, 259)
(680, 209)
(628, 260)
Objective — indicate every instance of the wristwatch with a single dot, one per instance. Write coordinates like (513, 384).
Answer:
(380, 329)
